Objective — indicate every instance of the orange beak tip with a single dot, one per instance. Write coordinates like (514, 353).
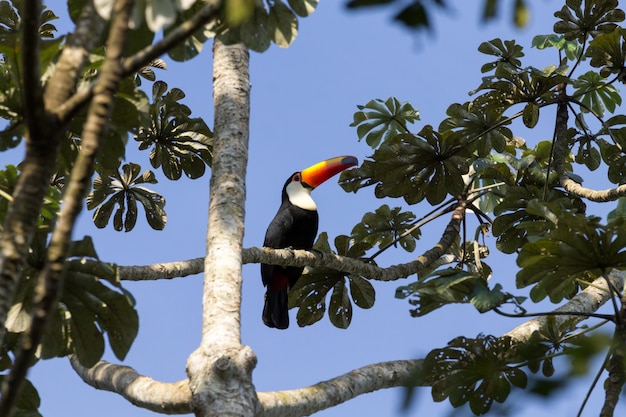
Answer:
(322, 171)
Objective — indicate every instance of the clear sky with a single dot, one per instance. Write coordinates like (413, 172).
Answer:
(303, 99)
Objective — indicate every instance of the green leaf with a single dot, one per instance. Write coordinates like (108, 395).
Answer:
(596, 17)
(596, 94)
(576, 251)
(282, 23)
(530, 115)
(177, 142)
(28, 401)
(446, 286)
(475, 126)
(312, 288)
(475, 371)
(380, 120)
(607, 52)
(507, 52)
(303, 8)
(255, 31)
(340, 308)
(192, 45)
(384, 226)
(123, 190)
(362, 292)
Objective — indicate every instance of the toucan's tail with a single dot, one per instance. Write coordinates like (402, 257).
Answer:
(275, 310)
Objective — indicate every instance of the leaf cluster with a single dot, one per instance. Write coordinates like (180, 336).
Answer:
(311, 290)
(259, 24)
(450, 286)
(123, 190)
(177, 142)
(93, 304)
(475, 371)
(418, 14)
(576, 250)
(483, 370)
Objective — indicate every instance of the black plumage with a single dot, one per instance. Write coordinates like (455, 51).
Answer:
(292, 227)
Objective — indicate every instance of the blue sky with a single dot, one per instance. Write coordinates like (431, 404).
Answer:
(303, 99)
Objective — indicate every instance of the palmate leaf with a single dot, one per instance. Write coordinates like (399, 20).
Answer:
(28, 401)
(282, 24)
(427, 165)
(129, 111)
(571, 48)
(259, 26)
(578, 250)
(451, 286)
(474, 123)
(507, 52)
(123, 190)
(608, 52)
(192, 45)
(92, 304)
(596, 94)
(303, 8)
(380, 120)
(597, 16)
(524, 214)
(475, 371)
(177, 142)
(384, 226)
(311, 290)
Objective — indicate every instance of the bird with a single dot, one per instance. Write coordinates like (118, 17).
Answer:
(295, 227)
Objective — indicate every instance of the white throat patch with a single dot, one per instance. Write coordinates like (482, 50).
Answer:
(300, 196)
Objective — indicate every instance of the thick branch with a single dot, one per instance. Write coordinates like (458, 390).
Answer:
(615, 366)
(587, 301)
(329, 393)
(220, 369)
(561, 151)
(601, 196)
(41, 142)
(75, 54)
(290, 257)
(142, 391)
(326, 394)
(51, 277)
(205, 15)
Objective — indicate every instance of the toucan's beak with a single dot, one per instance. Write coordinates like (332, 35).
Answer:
(320, 172)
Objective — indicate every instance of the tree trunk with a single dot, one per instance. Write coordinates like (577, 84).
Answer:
(220, 370)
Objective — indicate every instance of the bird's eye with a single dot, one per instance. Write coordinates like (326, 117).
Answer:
(296, 177)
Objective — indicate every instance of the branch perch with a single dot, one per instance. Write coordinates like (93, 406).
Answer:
(291, 257)
(175, 398)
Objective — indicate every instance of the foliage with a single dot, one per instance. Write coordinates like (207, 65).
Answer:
(124, 191)
(418, 14)
(178, 143)
(311, 290)
(516, 188)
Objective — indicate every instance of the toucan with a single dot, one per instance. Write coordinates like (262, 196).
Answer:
(295, 227)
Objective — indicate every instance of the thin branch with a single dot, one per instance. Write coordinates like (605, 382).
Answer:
(593, 385)
(443, 208)
(205, 15)
(609, 317)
